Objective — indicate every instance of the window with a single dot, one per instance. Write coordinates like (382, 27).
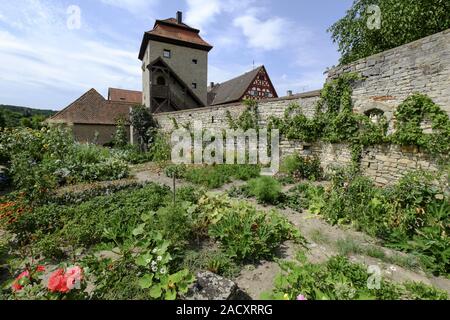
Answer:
(194, 61)
(167, 54)
(194, 85)
(161, 81)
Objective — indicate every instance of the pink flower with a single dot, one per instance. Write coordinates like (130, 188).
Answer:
(16, 286)
(58, 282)
(73, 275)
(301, 297)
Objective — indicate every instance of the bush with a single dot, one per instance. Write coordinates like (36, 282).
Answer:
(248, 234)
(412, 215)
(302, 167)
(340, 279)
(265, 189)
(41, 160)
(179, 171)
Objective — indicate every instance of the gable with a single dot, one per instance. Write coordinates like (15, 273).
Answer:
(92, 108)
(242, 87)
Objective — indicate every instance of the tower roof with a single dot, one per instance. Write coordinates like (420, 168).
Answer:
(174, 32)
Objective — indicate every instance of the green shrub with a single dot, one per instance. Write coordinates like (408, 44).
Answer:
(218, 175)
(40, 160)
(408, 215)
(302, 167)
(179, 171)
(265, 189)
(248, 234)
(340, 279)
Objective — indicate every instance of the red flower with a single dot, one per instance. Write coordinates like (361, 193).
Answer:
(57, 282)
(40, 269)
(16, 286)
(63, 282)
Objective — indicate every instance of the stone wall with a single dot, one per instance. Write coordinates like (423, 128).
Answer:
(216, 117)
(385, 164)
(388, 78)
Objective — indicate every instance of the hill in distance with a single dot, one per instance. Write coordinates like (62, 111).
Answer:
(27, 112)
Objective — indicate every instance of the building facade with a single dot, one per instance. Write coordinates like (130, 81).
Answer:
(174, 66)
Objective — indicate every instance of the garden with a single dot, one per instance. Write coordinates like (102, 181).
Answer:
(77, 222)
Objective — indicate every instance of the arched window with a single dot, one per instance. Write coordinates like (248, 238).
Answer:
(161, 81)
(375, 115)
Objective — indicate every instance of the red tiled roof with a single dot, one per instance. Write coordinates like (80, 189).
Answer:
(124, 95)
(93, 108)
(169, 30)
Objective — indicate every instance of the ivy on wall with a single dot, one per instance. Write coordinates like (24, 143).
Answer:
(248, 119)
(335, 122)
(411, 114)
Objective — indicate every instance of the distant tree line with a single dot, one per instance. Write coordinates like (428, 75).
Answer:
(14, 116)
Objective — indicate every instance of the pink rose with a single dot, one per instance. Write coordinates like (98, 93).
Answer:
(73, 275)
(16, 286)
(301, 297)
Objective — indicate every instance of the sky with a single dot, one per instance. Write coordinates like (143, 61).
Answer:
(51, 52)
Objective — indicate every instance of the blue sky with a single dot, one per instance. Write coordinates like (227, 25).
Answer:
(44, 64)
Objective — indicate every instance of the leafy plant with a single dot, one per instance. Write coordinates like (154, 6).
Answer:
(302, 167)
(418, 19)
(246, 233)
(265, 189)
(340, 279)
(410, 115)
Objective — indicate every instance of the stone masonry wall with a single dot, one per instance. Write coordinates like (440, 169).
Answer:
(216, 117)
(388, 78)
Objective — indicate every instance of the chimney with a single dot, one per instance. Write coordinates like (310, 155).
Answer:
(289, 93)
(179, 17)
(212, 84)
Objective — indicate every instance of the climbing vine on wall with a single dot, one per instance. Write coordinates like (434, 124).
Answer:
(411, 115)
(248, 119)
(335, 122)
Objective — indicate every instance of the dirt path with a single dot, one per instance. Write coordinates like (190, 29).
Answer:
(324, 242)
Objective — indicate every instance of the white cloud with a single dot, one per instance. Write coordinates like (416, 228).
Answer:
(136, 7)
(270, 34)
(201, 13)
(49, 65)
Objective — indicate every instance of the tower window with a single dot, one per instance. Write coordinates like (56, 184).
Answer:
(161, 81)
(194, 85)
(194, 61)
(167, 54)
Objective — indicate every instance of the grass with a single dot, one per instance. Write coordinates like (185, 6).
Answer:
(319, 237)
(348, 246)
(216, 176)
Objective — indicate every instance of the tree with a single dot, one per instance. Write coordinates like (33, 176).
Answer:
(120, 139)
(2, 120)
(402, 21)
(144, 124)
